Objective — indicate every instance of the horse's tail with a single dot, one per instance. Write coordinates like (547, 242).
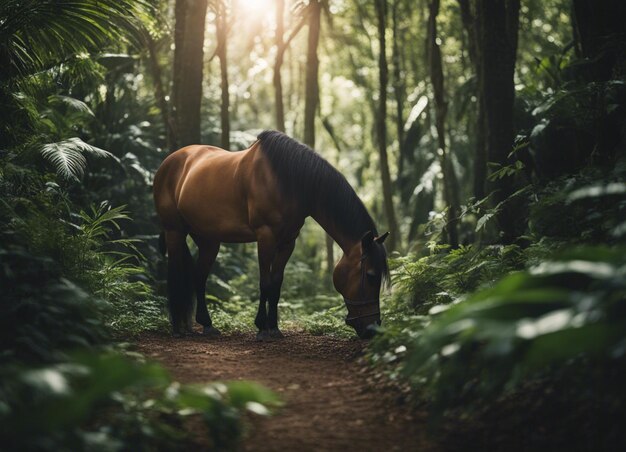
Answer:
(162, 245)
(180, 270)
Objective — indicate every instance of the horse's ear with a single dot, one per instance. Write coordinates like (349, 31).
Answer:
(367, 240)
(382, 238)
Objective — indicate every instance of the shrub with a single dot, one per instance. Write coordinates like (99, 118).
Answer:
(530, 322)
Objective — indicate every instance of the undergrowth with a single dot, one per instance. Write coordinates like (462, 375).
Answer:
(474, 329)
(72, 285)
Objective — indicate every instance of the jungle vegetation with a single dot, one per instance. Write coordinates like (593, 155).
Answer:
(487, 136)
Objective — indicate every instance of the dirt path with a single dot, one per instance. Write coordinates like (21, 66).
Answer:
(330, 406)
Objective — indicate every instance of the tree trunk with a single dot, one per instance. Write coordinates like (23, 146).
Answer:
(159, 93)
(222, 54)
(311, 98)
(469, 19)
(277, 80)
(281, 47)
(312, 68)
(398, 88)
(597, 23)
(497, 35)
(188, 65)
(441, 110)
(381, 127)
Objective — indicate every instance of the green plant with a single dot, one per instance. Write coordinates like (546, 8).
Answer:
(571, 306)
(105, 401)
(39, 33)
(587, 207)
(43, 314)
(443, 277)
(68, 158)
(112, 270)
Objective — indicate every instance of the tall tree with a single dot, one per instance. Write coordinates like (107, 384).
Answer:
(222, 27)
(469, 19)
(399, 89)
(159, 91)
(498, 24)
(188, 65)
(282, 44)
(441, 110)
(599, 33)
(381, 125)
(312, 68)
(311, 97)
(277, 79)
(599, 36)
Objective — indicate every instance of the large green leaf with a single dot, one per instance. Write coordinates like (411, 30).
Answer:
(68, 157)
(40, 33)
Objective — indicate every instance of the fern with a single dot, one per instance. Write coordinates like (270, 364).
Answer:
(72, 103)
(37, 34)
(68, 156)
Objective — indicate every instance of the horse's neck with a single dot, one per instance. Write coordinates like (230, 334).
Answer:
(343, 240)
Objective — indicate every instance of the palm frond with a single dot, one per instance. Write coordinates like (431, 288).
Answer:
(68, 156)
(71, 102)
(38, 33)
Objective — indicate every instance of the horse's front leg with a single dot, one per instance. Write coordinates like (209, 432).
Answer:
(266, 248)
(277, 272)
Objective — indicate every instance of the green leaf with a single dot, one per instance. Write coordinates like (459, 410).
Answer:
(482, 221)
(68, 158)
(242, 392)
(71, 102)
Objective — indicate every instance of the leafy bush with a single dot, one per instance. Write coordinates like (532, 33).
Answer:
(113, 272)
(569, 307)
(42, 313)
(589, 207)
(86, 248)
(58, 389)
(443, 277)
(107, 402)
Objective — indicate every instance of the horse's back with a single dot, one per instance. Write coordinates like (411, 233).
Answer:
(168, 179)
(224, 196)
(202, 189)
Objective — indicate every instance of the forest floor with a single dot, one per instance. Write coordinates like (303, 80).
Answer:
(330, 401)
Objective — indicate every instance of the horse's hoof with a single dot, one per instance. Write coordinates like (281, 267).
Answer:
(211, 331)
(276, 334)
(177, 334)
(264, 336)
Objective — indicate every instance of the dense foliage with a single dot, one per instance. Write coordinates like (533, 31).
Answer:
(508, 298)
(73, 282)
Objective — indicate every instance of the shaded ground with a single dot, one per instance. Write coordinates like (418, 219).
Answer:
(330, 405)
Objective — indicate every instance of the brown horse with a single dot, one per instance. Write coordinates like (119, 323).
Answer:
(263, 194)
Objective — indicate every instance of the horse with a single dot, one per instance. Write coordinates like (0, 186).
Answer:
(263, 194)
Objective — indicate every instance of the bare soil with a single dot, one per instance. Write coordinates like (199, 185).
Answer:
(330, 403)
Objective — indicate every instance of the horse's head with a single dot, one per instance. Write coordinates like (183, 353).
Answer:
(358, 277)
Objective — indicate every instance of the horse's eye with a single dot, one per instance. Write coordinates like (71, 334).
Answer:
(371, 275)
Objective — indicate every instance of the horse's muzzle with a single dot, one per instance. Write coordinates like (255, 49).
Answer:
(363, 316)
(368, 332)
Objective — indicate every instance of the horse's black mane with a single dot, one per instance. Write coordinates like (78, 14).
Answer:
(302, 173)
(316, 184)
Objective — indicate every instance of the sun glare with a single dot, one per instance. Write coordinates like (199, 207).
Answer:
(258, 7)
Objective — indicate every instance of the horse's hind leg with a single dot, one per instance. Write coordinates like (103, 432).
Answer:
(266, 248)
(179, 280)
(207, 252)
